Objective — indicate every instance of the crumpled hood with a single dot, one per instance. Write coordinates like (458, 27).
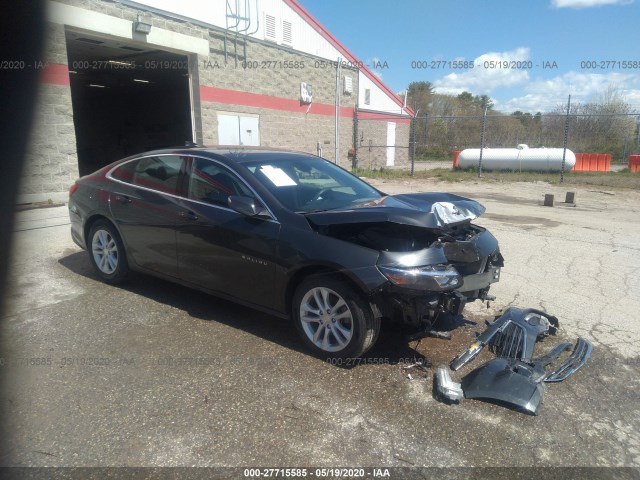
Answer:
(427, 210)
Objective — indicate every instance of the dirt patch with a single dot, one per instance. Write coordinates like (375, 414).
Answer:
(522, 220)
(497, 197)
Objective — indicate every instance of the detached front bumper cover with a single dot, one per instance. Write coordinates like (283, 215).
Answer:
(515, 378)
(512, 335)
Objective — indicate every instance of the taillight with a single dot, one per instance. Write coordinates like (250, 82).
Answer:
(73, 189)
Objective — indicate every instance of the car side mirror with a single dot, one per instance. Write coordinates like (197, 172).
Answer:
(247, 206)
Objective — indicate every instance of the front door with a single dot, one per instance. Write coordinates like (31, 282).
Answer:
(219, 248)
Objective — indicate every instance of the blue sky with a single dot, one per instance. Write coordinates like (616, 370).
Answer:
(559, 34)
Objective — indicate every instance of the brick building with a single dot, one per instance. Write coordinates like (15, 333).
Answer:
(120, 77)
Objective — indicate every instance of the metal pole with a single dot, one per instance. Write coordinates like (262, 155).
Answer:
(337, 139)
(426, 131)
(412, 144)
(354, 160)
(484, 121)
(566, 136)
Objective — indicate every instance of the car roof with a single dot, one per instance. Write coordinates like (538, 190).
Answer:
(237, 154)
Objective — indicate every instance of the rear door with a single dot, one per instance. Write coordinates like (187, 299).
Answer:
(145, 205)
(219, 248)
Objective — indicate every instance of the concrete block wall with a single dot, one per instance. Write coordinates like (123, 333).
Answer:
(274, 71)
(289, 130)
(376, 132)
(51, 162)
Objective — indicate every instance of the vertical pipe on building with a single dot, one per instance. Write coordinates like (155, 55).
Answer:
(337, 128)
(235, 50)
(354, 160)
(257, 20)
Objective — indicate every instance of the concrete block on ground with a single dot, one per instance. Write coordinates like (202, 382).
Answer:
(548, 200)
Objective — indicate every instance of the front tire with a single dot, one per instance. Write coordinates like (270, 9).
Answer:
(333, 320)
(106, 252)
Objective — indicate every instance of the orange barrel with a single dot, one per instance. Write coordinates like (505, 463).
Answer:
(455, 158)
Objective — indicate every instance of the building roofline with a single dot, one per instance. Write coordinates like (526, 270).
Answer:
(346, 52)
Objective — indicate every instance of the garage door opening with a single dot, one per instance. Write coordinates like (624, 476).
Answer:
(127, 98)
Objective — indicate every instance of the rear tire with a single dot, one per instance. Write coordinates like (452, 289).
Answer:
(333, 320)
(106, 252)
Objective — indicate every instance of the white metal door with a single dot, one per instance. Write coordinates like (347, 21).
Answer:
(250, 131)
(391, 144)
(228, 130)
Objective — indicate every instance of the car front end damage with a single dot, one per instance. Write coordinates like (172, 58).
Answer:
(458, 267)
(433, 258)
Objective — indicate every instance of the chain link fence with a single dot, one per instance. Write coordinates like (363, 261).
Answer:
(438, 137)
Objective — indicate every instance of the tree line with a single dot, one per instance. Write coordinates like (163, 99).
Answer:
(445, 123)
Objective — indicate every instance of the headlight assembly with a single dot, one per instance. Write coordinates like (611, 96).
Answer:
(427, 277)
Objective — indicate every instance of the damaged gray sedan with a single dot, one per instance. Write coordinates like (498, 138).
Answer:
(290, 234)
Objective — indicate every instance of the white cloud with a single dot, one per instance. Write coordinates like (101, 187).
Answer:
(488, 74)
(587, 3)
(537, 94)
(371, 64)
(545, 95)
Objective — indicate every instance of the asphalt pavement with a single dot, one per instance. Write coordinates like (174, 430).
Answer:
(153, 374)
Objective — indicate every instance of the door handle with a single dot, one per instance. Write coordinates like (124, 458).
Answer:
(123, 199)
(188, 215)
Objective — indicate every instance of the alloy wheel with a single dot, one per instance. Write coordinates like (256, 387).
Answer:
(105, 251)
(326, 319)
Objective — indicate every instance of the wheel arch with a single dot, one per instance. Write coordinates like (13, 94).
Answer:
(91, 221)
(310, 270)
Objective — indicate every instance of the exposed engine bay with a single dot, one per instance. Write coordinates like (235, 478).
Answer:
(434, 265)
(394, 237)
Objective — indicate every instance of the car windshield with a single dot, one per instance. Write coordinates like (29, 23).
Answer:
(310, 184)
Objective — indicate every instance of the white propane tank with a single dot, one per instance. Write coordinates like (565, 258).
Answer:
(520, 158)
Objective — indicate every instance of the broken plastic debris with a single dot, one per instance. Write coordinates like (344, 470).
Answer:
(447, 389)
(515, 378)
(513, 335)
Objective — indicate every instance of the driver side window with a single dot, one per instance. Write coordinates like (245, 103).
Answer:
(212, 183)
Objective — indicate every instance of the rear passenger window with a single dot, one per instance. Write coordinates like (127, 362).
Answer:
(212, 183)
(160, 173)
(125, 171)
